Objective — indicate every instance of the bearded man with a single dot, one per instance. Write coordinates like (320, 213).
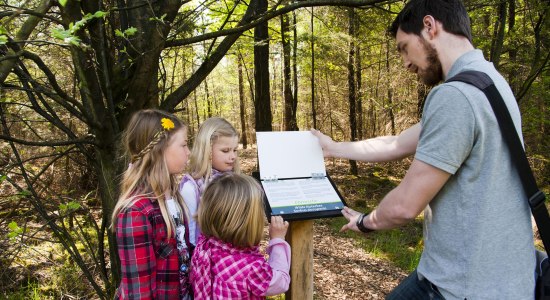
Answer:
(478, 240)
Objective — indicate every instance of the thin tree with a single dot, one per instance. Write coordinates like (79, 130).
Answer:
(351, 84)
(359, 82)
(313, 111)
(499, 31)
(290, 104)
(262, 99)
(242, 106)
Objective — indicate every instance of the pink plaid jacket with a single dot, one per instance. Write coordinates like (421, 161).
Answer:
(221, 271)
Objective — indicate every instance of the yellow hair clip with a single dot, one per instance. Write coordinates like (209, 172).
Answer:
(167, 124)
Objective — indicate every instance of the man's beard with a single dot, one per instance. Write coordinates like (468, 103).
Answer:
(433, 74)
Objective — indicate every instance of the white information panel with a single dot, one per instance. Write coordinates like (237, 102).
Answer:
(293, 175)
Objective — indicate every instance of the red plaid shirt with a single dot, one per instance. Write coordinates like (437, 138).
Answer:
(149, 262)
(221, 271)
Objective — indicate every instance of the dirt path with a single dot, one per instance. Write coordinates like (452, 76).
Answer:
(344, 271)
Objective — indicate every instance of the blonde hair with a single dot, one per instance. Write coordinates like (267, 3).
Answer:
(232, 210)
(200, 160)
(144, 141)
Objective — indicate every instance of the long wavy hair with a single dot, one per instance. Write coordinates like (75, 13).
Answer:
(200, 160)
(145, 141)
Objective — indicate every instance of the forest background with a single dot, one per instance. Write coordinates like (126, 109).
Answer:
(73, 72)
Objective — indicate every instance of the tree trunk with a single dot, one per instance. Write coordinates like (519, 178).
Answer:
(242, 107)
(250, 89)
(208, 101)
(261, 73)
(290, 105)
(390, 91)
(513, 47)
(295, 65)
(498, 38)
(359, 82)
(313, 112)
(373, 111)
(109, 168)
(422, 91)
(274, 83)
(197, 115)
(330, 116)
(351, 84)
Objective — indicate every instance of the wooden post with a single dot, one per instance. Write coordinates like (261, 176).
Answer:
(300, 238)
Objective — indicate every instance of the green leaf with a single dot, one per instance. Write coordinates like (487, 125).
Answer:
(80, 23)
(119, 33)
(130, 31)
(160, 20)
(60, 34)
(63, 2)
(3, 39)
(72, 40)
(13, 226)
(73, 205)
(69, 206)
(2, 178)
(99, 14)
(15, 230)
(3, 30)
(24, 193)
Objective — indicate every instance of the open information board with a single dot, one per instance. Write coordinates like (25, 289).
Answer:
(293, 176)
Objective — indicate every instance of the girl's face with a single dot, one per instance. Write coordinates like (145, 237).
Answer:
(224, 153)
(176, 154)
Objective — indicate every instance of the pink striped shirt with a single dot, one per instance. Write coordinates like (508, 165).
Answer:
(221, 271)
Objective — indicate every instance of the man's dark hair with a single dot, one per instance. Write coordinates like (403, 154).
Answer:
(451, 13)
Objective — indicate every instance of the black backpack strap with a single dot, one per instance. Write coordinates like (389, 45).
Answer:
(535, 197)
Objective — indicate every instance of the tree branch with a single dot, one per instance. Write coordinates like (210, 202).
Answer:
(17, 11)
(243, 26)
(23, 34)
(207, 66)
(62, 235)
(53, 81)
(47, 144)
(50, 114)
(229, 14)
(529, 80)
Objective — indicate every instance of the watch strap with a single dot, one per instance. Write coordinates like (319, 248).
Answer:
(361, 226)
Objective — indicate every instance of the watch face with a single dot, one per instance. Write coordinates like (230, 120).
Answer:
(359, 222)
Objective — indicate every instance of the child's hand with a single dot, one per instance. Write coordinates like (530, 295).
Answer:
(277, 227)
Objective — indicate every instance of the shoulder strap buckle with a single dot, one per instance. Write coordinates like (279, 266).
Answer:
(537, 200)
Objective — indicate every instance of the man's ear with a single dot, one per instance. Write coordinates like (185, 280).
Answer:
(430, 26)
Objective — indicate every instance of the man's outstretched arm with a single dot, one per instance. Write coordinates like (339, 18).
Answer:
(378, 149)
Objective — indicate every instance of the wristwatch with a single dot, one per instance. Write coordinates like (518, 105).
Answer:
(360, 224)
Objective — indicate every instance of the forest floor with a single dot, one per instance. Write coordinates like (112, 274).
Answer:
(343, 270)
